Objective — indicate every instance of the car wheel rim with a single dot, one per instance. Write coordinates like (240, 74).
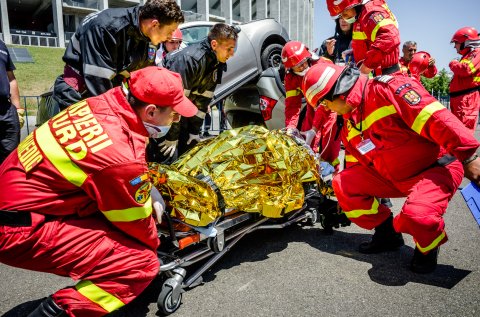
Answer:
(275, 60)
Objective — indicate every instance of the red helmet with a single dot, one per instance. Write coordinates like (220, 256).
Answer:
(177, 35)
(336, 7)
(293, 53)
(466, 33)
(419, 63)
(319, 80)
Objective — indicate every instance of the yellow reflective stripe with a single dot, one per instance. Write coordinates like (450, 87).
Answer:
(470, 64)
(336, 162)
(433, 245)
(371, 119)
(130, 214)
(476, 79)
(425, 114)
(362, 212)
(385, 6)
(58, 157)
(293, 93)
(99, 296)
(350, 158)
(378, 26)
(359, 35)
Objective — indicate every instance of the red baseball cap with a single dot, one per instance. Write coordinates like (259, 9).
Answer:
(161, 87)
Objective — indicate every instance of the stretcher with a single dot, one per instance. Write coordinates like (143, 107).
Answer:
(183, 243)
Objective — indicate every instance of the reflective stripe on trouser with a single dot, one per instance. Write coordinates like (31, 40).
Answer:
(428, 194)
(465, 108)
(112, 268)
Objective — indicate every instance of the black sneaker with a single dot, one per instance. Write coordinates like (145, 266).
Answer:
(424, 263)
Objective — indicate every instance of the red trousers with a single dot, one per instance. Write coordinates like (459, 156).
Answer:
(428, 194)
(465, 108)
(112, 268)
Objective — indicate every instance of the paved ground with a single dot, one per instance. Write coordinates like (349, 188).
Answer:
(300, 271)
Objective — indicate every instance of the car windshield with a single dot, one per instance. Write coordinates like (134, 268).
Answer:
(195, 34)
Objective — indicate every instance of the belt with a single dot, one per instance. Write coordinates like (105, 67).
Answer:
(15, 218)
(464, 92)
(390, 70)
(445, 160)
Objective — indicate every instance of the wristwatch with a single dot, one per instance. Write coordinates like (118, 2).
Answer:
(470, 159)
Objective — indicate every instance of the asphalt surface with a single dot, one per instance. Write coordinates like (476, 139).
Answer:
(301, 271)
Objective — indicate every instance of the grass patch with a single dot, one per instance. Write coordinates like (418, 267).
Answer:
(37, 77)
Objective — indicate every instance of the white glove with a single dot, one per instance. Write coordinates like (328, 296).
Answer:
(158, 203)
(291, 131)
(309, 135)
(193, 137)
(168, 147)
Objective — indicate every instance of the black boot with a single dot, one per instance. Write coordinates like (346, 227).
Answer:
(384, 239)
(48, 308)
(424, 263)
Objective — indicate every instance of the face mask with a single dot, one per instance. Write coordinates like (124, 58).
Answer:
(156, 131)
(302, 73)
(351, 20)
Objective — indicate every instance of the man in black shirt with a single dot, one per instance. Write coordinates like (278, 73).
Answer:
(10, 112)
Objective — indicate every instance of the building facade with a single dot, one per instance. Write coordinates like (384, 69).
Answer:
(51, 23)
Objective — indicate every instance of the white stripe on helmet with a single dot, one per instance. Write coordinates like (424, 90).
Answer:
(300, 50)
(320, 84)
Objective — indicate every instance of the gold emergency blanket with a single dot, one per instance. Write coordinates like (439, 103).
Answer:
(256, 170)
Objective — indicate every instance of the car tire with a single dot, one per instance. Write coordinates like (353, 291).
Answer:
(272, 56)
(238, 119)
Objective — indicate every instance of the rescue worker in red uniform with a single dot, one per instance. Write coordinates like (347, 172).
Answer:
(375, 38)
(76, 199)
(318, 125)
(173, 44)
(407, 145)
(421, 65)
(465, 84)
(415, 63)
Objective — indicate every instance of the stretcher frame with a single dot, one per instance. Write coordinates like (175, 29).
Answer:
(186, 248)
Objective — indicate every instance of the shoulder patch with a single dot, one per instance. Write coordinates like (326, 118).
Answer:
(143, 193)
(377, 17)
(384, 78)
(412, 97)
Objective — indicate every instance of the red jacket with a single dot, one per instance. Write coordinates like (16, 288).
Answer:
(375, 38)
(88, 158)
(408, 127)
(294, 95)
(466, 72)
(430, 72)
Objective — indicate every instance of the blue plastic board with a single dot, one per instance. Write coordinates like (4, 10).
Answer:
(471, 194)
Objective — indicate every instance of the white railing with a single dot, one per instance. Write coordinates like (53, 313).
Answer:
(34, 40)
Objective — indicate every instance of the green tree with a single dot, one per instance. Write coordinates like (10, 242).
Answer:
(438, 85)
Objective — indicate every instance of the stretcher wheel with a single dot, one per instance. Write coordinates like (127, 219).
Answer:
(311, 221)
(165, 302)
(217, 243)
